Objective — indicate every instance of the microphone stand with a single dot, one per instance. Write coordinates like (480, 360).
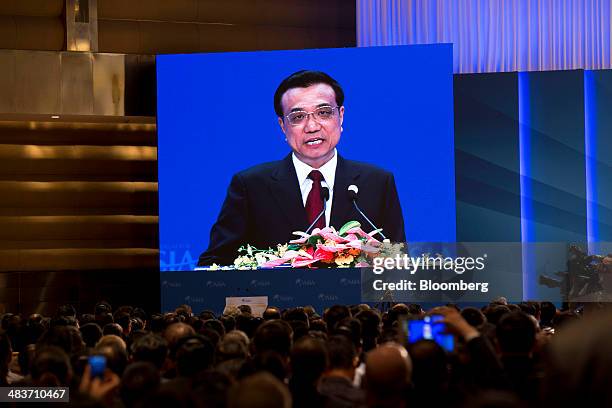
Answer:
(354, 199)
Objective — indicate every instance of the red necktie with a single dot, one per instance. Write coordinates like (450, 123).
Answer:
(314, 202)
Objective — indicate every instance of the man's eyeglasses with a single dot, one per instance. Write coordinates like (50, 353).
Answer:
(321, 114)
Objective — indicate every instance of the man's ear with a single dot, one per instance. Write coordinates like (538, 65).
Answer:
(341, 114)
(281, 124)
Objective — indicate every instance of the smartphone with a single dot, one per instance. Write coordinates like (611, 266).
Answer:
(98, 365)
(429, 328)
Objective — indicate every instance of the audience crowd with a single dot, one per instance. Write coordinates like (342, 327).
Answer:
(505, 355)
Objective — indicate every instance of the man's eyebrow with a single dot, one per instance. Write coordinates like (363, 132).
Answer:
(304, 110)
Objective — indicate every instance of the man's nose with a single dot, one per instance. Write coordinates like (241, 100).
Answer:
(311, 124)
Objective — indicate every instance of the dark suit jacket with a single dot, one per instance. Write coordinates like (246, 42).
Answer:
(264, 206)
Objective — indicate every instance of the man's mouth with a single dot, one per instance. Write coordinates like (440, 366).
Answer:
(314, 142)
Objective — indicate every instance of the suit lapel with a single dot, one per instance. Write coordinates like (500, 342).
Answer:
(341, 205)
(286, 192)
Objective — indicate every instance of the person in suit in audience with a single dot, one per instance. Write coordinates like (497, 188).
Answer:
(267, 202)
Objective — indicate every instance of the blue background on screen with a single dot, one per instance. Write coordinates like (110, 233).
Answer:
(426, 329)
(216, 117)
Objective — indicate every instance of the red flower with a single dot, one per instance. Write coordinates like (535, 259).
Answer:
(322, 255)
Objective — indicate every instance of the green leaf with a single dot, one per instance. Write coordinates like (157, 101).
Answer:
(348, 226)
(293, 247)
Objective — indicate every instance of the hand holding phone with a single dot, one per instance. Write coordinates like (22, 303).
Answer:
(430, 328)
(456, 324)
(98, 365)
(98, 381)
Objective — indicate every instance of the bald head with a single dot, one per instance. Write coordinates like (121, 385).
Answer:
(261, 390)
(177, 331)
(112, 340)
(388, 372)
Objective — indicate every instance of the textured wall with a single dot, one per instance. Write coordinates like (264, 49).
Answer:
(76, 196)
(159, 26)
(162, 26)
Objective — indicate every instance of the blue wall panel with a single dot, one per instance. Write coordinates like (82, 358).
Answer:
(598, 145)
(487, 157)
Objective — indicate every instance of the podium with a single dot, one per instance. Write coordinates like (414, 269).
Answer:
(284, 287)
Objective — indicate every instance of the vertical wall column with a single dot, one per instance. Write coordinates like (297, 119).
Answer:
(553, 172)
(82, 25)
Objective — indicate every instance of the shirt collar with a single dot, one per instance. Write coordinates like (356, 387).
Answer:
(328, 170)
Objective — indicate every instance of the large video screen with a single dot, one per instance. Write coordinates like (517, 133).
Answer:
(216, 117)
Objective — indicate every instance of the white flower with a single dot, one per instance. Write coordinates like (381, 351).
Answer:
(282, 249)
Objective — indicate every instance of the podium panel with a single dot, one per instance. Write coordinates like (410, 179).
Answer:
(285, 287)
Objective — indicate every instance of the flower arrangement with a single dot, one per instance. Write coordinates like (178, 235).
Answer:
(323, 248)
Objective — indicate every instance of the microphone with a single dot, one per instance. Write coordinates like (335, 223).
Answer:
(353, 192)
(324, 197)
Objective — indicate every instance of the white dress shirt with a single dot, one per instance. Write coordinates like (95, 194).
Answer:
(328, 170)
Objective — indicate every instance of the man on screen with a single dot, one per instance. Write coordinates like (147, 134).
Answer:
(266, 203)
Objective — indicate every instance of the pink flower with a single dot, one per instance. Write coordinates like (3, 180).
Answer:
(369, 247)
(333, 236)
(274, 263)
(302, 261)
(289, 255)
(351, 237)
(299, 240)
(359, 232)
(332, 248)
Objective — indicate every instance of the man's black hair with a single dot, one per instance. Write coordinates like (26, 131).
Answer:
(548, 310)
(228, 322)
(66, 310)
(496, 312)
(112, 328)
(207, 315)
(51, 367)
(350, 328)
(139, 382)
(296, 314)
(516, 333)
(274, 335)
(308, 361)
(194, 354)
(245, 309)
(102, 307)
(370, 321)
(151, 348)
(216, 325)
(528, 308)
(91, 333)
(304, 79)
(335, 314)
(341, 352)
(473, 316)
(271, 313)
(157, 323)
(430, 366)
(123, 319)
